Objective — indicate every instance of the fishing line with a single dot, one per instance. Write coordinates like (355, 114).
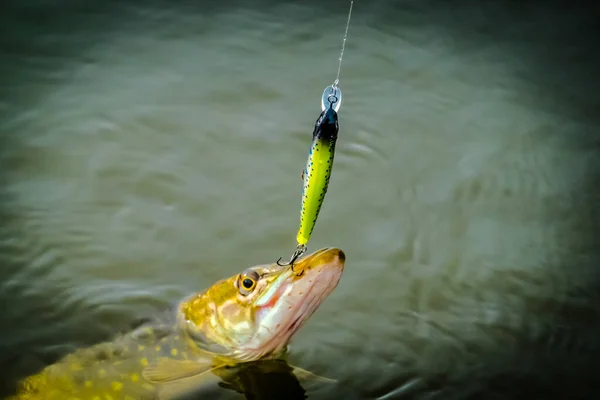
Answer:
(337, 78)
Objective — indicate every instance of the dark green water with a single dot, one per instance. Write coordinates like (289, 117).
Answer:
(148, 150)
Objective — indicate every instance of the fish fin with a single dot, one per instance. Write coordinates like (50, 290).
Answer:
(303, 374)
(302, 173)
(167, 370)
(186, 385)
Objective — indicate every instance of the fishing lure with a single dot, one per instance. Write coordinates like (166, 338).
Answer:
(318, 169)
(317, 172)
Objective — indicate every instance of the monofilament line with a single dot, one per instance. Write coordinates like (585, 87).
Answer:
(337, 79)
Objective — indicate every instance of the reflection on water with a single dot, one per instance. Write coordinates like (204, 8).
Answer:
(272, 379)
(148, 151)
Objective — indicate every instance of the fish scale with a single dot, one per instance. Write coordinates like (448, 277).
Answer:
(112, 370)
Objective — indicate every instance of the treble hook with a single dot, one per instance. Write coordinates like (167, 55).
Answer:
(301, 249)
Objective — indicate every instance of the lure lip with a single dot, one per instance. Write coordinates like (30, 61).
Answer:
(331, 93)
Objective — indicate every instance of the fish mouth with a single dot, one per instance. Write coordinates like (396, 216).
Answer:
(298, 296)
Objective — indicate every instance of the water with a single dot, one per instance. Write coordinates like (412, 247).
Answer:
(150, 150)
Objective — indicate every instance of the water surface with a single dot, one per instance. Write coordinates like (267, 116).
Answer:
(151, 149)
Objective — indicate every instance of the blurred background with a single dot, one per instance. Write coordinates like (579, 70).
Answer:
(150, 148)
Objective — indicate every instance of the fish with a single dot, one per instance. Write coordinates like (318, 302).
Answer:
(317, 172)
(246, 318)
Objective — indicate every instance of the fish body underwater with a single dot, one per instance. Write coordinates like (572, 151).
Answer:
(317, 172)
(247, 317)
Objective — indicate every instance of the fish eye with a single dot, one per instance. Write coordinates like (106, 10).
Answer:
(247, 281)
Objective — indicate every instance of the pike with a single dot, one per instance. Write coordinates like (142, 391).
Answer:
(249, 317)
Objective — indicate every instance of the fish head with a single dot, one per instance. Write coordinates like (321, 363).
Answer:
(254, 314)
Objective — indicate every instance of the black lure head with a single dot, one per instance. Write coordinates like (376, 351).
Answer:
(327, 126)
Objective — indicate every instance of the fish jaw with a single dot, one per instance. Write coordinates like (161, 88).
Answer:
(258, 325)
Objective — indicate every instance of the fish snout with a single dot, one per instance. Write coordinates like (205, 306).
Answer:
(334, 256)
(341, 255)
(329, 257)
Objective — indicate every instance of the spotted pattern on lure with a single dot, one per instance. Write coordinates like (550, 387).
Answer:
(317, 172)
